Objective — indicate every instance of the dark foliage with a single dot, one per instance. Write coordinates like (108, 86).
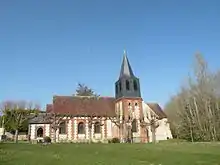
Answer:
(115, 140)
(47, 139)
(83, 90)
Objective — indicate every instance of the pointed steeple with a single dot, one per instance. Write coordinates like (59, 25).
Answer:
(128, 84)
(126, 70)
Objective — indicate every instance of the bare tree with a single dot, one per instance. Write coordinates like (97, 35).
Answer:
(197, 112)
(93, 121)
(55, 119)
(124, 125)
(16, 112)
(153, 124)
(118, 121)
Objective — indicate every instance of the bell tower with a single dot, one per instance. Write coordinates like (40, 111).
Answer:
(128, 85)
(128, 98)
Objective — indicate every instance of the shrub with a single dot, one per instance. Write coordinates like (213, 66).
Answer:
(4, 137)
(40, 141)
(9, 139)
(128, 140)
(47, 139)
(115, 140)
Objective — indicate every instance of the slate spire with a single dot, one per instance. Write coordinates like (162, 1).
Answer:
(128, 85)
(126, 70)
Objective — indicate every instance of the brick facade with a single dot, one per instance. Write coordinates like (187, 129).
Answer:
(127, 106)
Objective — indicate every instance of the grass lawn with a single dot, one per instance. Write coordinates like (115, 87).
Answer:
(110, 154)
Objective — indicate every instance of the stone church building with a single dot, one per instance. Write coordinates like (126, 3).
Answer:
(103, 118)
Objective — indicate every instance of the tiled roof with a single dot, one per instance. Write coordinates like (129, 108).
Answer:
(40, 118)
(157, 110)
(78, 106)
(83, 106)
(49, 108)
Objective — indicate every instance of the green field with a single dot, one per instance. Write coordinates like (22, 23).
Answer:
(110, 154)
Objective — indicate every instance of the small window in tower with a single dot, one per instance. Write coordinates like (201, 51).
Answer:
(136, 104)
(119, 86)
(127, 85)
(135, 85)
(129, 104)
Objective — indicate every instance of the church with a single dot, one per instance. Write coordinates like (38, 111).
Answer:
(100, 119)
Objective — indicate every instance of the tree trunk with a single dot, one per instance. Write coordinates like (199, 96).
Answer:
(129, 135)
(121, 132)
(191, 135)
(16, 136)
(153, 130)
(90, 134)
(197, 115)
(55, 136)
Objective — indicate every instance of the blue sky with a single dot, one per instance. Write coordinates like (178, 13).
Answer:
(47, 46)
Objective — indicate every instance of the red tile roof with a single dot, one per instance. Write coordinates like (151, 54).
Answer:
(86, 106)
(49, 108)
(157, 109)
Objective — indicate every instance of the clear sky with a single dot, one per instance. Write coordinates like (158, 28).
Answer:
(48, 46)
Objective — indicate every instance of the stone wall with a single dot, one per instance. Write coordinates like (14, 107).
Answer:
(163, 132)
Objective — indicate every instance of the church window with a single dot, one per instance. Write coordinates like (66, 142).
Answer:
(135, 85)
(129, 104)
(134, 125)
(62, 128)
(97, 127)
(136, 104)
(40, 132)
(127, 85)
(81, 128)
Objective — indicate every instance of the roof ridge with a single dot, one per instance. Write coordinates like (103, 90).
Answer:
(152, 103)
(83, 96)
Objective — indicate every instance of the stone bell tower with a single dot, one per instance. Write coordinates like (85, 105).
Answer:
(128, 99)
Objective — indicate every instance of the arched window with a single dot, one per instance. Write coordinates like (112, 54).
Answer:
(40, 132)
(62, 128)
(81, 128)
(127, 85)
(97, 127)
(134, 125)
(135, 85)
